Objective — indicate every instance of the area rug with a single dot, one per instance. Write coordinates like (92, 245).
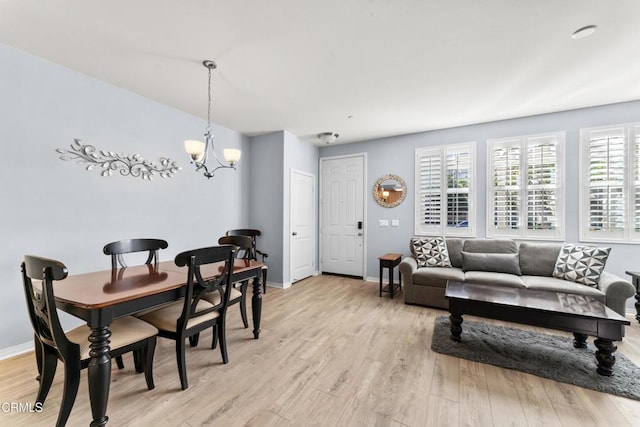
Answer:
(544, 355)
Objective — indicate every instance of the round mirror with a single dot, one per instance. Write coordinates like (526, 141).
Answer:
(389, 191)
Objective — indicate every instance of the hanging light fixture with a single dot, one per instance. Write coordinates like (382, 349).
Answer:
(199, 150)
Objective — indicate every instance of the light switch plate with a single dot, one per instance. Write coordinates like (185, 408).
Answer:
(395, 223)
(383, 222)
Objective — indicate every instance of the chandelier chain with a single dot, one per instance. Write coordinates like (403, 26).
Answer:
(209, 102)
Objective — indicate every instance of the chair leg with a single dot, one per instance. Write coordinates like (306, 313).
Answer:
(264, 281)
(214, 341)
(193, 340)
(243, 305)
(223, 340)
(49, 362)
(38, 351)
(138, 358)
(182, 366)
(120, 363)
(147, 361)
(71, 383)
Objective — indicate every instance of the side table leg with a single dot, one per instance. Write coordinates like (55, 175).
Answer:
(638, 305)
(391, 281)
(380, 279)
(605, 356)
(456, 326)
(580, 340)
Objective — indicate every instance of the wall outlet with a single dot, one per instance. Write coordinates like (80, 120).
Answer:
(395, 223)
(383, 222)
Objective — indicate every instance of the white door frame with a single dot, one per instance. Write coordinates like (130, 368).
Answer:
(364, 206)
(314, 227)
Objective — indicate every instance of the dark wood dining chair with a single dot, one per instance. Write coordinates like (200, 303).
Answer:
(121, 247)
(254, 252)
(72, 348)
(192, 315)
(117, 250)
(243, 245)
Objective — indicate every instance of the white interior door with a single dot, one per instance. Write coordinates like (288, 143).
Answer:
(302, 220)
(342, 215)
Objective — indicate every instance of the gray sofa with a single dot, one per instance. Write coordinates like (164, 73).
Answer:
(503, 262)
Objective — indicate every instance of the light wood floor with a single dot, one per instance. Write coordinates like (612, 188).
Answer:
(331, 353)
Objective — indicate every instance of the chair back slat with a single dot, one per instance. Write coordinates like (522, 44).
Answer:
(253, 233)
(41, 303)
(198, 286)
(121, 247)
(244, 245)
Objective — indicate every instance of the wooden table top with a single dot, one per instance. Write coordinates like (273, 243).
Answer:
(554, 302)
(109, 287)
(390, 257)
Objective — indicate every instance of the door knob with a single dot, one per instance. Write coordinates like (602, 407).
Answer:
(294, 233)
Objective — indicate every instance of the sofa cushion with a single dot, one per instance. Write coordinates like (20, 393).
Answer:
(552, 284)
(581, 264)
(495, 246)
(428, 276)
(430, 251)
(454, 247)
(499, 263)
(491, 278)
(538, 258)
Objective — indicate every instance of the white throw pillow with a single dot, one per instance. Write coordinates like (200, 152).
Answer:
(430, 251)
(581, 264)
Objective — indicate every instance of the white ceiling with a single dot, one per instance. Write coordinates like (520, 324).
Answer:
(362, 68)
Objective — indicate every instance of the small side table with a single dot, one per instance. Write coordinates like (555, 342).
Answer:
(635, 278)
(390, 261)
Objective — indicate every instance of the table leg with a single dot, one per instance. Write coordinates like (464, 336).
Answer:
(256, 306)
(99, 374)
(580, 340)
(391, 281)
(380, 279)
(456, 326)
(400, 278)
(605, 356)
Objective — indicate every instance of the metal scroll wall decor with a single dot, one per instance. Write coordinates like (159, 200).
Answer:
(110, 162)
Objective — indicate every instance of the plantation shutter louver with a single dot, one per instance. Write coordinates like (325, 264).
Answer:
(443, 190)
(525, 187)
(541, 184)
(610, 173)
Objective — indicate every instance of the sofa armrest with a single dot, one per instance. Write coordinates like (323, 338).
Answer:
(407, 267)
(617, 291)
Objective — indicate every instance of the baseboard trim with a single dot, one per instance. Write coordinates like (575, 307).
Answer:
(16, 350)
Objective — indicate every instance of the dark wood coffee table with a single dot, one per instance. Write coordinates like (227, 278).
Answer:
(583, 316)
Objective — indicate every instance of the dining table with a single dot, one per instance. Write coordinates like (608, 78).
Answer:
(102, 296)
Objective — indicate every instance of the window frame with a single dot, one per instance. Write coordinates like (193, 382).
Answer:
(442, 229)
(630, 184)
(523, 143)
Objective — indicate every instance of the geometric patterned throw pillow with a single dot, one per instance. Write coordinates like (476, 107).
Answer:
(430, 251)
(581, 264)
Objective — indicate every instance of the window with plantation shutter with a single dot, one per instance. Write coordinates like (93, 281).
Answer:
(610, 177)
(524, 185)
(444, 178)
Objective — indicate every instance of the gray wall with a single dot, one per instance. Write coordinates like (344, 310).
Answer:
(57, 209)
(267, 198)
(273, 157)
(396, 155)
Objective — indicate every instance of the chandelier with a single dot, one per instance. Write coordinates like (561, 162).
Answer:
(199, 150)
